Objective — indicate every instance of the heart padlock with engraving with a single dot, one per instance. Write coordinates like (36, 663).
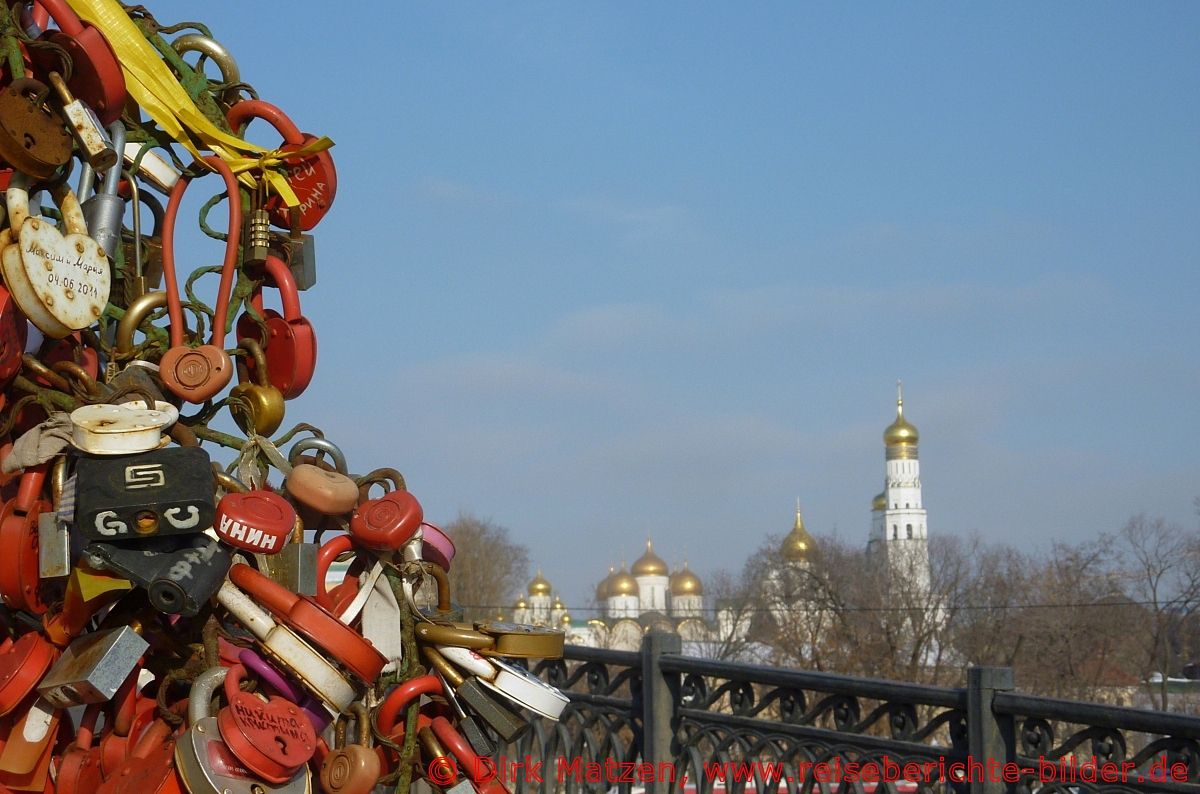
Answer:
(256, 521)
(386, 523)
(273, 738)
(61, 283)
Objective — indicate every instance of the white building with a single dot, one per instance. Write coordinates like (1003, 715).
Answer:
(899, 538)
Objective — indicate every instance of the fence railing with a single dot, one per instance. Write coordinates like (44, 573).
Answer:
(661, 721)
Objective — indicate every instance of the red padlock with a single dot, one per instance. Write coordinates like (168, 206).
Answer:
(313, 179)
(96, 76)
(308, 618)
(19, 578)
(386, 523)
(79, 767)
(272, 738)
(290, 342)
(22, 666)
(196, 374)
(14, 332)
(150, 768)
(256, 521)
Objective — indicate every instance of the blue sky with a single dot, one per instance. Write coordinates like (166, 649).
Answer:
(603, 271)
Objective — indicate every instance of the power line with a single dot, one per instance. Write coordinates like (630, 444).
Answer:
(915, 608)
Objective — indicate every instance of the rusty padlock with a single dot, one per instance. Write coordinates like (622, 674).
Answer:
(32, 137)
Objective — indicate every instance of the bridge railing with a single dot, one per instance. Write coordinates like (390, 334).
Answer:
(670, 722)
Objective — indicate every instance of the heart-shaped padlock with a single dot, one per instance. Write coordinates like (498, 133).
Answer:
(61, 283)
(386, 523)
(273, 738)
(256, 521)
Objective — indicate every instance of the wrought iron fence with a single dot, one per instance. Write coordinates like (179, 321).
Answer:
(661, 721)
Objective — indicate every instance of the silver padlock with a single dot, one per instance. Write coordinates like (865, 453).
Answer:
(105, 211)
(206, 763)
(93, 667)
(302, 255)
(97, 148)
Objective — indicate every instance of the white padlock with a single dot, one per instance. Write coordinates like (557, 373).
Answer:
(61, 283)
(127, 428)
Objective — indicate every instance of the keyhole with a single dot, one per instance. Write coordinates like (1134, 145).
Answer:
(29, 141)
(279, 740)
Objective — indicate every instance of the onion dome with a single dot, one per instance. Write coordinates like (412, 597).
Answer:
(686, 583)
(539, 586)
(565, 620)
(622, 584)
(602, 588)
(650, 564)
(521, 603)
(558, 604)
(879, 502)
(798, 544)
(901, 436)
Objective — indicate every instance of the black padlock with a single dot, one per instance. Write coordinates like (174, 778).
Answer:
(180, 574)
(130, 497)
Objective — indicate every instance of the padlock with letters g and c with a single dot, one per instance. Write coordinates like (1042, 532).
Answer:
(129, 497)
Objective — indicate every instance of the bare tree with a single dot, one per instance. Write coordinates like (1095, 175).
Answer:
(489, 568)
(1161, 563)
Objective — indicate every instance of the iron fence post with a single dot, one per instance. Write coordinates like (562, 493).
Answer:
(990, 737)
(660, 703)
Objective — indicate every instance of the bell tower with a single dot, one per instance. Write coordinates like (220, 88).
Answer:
(898, 524)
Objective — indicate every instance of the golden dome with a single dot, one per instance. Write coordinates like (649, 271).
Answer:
(566, 619)
(521, 604)
(879, 502)
(798, 544)
(539, 586)
(650, 564)
(558, 604)
(686, 583)
(602, 588)
(622, 584)
(900, 433)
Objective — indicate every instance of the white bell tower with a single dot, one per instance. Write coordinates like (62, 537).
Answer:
(898, 524)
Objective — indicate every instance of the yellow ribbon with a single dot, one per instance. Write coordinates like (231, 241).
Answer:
(152, 85)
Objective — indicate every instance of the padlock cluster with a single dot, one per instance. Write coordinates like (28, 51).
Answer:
(170, 621)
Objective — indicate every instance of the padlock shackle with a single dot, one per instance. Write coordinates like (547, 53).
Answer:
(62, 14)
(30, 488)
(86, 732)
(329, 551)
(112, 177)
(138, 311)
(248, 109)
(254, 350)
(16, 200)
(201, 694)
(214, 50)
(398, 699)
(228, 266)
(285, 282)
(460, 747)
(321, 445)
